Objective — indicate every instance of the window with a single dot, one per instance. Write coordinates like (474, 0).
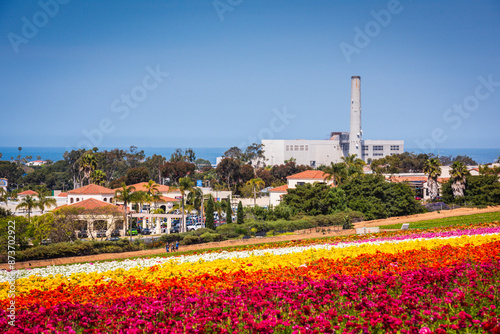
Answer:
(312, 163)
(378, 147)
(365, 147)
(296, 148)
(300, 183)
(71, 200)
(105, 199)
(301, 147)
(287, 148)
(307, 147)
(378, 154)
(394, 147)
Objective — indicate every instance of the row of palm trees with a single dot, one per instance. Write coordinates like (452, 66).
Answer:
(458, 174)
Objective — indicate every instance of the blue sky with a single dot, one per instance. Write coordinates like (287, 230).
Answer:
(230, 72)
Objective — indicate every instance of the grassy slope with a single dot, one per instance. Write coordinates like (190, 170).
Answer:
(450, 221)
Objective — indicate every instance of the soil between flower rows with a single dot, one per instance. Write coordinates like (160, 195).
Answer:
(307, 234)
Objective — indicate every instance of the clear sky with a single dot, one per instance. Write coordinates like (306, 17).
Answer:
(225, 73)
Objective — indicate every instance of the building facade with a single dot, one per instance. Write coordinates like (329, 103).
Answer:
(315, 153)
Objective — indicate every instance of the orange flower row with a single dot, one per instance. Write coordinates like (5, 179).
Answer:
(104, 293)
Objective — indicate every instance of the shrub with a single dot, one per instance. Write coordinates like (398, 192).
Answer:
(190, 240)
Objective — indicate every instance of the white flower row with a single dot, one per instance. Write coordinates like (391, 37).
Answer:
(101, 267)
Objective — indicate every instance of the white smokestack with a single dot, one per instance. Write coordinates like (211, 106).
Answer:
(355, 134)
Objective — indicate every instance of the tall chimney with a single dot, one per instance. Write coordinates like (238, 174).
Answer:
(355, 134)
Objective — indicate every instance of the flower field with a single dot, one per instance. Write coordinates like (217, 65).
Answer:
(442, 280)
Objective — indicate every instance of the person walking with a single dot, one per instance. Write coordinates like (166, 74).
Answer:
(177, 245)
(167, 247)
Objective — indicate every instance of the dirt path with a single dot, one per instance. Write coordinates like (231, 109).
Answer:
(299, 235)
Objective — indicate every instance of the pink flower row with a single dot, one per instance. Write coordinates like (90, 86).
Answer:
(428, 300)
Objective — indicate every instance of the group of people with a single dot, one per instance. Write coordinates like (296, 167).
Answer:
(173, 247)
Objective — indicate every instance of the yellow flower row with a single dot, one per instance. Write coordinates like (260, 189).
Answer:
(252, 263)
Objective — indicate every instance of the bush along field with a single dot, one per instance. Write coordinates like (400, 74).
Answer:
(441, 280)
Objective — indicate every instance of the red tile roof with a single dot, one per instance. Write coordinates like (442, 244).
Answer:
(280, 189)
(142, 187)
(92, 189)
(407, 178)
(309, 175)
(92, 203)
(63, 195)
(169, 199)
(28, 192)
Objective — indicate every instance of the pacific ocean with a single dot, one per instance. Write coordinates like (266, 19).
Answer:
(480, 155)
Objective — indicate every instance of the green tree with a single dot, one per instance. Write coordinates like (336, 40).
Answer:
(88, 164)
(336, 172)
(137, 175)
(458, 175)
(28, 203)
(44, 201)
(185, 185)
(433, 170)
(125, 195)
(353, 165)
(3, 196)
(176, 170)
(256, 184)
(209, 221)
(229, 212)
(98, 177)
(240, 214)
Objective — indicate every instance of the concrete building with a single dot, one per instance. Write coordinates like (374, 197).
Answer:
(315, 153)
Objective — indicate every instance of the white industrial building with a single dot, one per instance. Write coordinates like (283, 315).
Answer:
(315, 153)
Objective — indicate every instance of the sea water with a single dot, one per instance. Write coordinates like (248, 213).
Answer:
(480, 155)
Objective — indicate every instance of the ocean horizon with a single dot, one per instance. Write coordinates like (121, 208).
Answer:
(480, 155)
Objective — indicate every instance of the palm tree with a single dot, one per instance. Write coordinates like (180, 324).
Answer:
(354, 165)
(27, 203)
(336, 172)
(195, 197)
(153, 192)
(125, 195)
(3, 196)
(44, 201)
(87, 165)
(458, 175)
(98, 177)
(256, 184)
(185, 185)
(432, 168)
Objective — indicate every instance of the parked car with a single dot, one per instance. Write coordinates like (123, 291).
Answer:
(174, 229)
(45, 241)
(132, 232)
(113, 239)
(194, 227)
(82, 234)
(101, 234)
(146, 231)
(115, 233)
